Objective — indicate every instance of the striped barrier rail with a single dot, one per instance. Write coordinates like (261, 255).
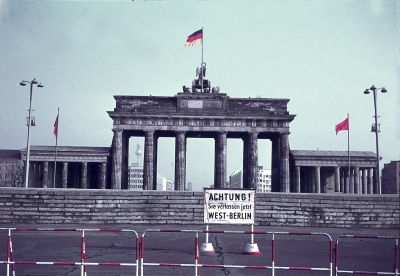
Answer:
(83, 263)
(330, 266)
(396, 256)
(196, 250)
(197, 265)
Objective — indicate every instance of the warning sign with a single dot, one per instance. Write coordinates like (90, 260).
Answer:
(229, 206)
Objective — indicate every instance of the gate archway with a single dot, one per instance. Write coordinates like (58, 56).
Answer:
(208, 115)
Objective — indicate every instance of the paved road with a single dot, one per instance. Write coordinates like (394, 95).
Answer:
(179, 247)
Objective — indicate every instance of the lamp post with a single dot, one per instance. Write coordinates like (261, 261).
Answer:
(376, 129)
(23, 83)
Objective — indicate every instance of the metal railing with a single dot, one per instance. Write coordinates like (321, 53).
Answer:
(396, 256)
(139, 248)
(11, 262)
(197, 265)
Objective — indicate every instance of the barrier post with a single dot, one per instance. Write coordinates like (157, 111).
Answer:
(12, 258)
(8, 251)
(330, 257)
(83, 254)
(137, 256)
(396, 257)
(141, 254)
(336, 256)
(273, 254)
(196, 261)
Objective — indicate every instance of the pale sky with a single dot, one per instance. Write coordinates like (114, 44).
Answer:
(321, 55)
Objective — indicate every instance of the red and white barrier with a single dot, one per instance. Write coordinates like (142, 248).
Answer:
(330, 268)
(11, 262)
(82, 264)
(396, 256)
(197, 264)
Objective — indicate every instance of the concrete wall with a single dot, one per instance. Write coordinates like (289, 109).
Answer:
(70, 206)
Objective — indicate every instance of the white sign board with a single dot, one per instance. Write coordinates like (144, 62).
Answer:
(195, 104)
(229, 206)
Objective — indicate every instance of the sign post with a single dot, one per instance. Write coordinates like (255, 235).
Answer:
(228, 206)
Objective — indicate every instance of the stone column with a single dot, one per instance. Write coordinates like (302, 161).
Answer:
(342, 180)
(103, 169)
(351, 181)
(298, 188)
(245, 168)
(357, 180)
(370, 181)
(116, 167)
(252, 160)
(220, 160)
(347, 180)
(364, 180)
(148, 163)
(337, 179)
(318, 179)
(64, 175)
(155, 156)
(84, 175)
(180, 161)
(45, 181)
(284, 175)
(125, 161)
(374, 185)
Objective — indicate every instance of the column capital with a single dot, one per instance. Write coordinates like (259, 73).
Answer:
(116, 130)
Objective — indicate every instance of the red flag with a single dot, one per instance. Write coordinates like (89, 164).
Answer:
(194, 38)
(55, 131)
(342, 126)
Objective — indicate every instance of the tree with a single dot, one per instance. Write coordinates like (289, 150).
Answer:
(16, 172)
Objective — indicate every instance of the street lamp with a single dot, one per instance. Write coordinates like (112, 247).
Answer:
(23, 83)
(376, 129)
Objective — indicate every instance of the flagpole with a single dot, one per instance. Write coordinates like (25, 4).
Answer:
(348, 145)
(202, 43)
(55, 155)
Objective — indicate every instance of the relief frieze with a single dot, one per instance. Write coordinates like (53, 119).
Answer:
(202, 122)
(238, 123)
(227, 122)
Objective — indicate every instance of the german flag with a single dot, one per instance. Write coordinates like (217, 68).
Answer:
(194, 38)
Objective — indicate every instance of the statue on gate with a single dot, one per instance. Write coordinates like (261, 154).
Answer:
(201, 84)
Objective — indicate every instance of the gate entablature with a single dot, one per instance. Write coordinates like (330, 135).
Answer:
(213, 114)
(201, 112)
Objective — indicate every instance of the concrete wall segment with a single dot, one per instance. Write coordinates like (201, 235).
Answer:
(62, 206)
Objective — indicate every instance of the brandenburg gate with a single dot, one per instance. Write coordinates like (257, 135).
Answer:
(204, 114)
